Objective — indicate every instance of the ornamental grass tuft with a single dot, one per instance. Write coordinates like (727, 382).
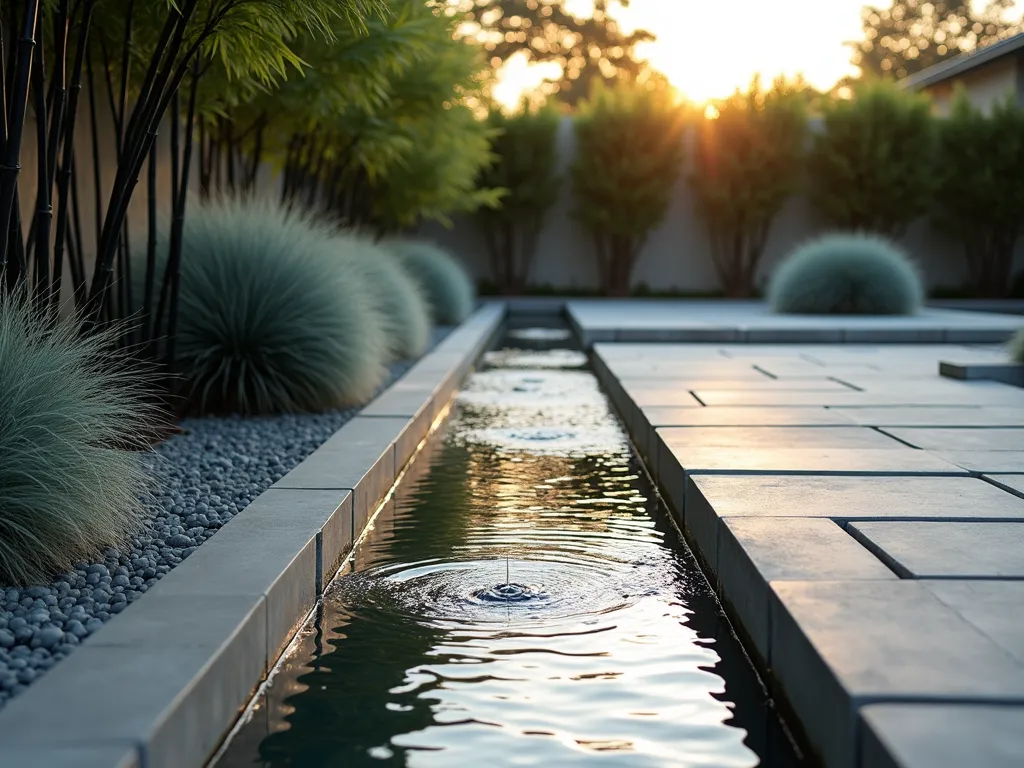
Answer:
(402, 305)
(849, 274)
(73, 420)
(1016, 347)
(445, 282)
(270, 320)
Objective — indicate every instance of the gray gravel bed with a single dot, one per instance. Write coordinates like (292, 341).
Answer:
(207, 475)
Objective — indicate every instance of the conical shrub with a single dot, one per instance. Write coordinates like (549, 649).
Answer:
(445, 282)
(73, 416)
(846, 274)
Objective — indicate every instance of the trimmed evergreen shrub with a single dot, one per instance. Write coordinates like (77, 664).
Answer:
(629, 153)
(746, 163)
(846, 274)
(73, 416)
(526, 169)
(271, 319)
(872, 166)
(405, 313)
(445, 282)
(981, 189)
(1016, 347)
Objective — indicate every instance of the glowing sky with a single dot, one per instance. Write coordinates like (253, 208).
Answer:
(708, 48)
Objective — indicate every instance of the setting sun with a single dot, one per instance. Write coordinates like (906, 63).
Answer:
(708, 48)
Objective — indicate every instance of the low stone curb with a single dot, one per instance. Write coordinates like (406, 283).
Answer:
(161, 684)
(1006, 373)
(749, 322)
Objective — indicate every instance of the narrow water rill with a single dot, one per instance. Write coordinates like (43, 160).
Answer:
(521, 599)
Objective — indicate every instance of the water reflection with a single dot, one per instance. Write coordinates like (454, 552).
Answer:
(609, 651)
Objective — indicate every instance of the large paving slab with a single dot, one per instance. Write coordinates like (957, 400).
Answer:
(1012, 483)
(644, 389)
(837, 645)
(985, 462)
(677, 464)
(753, 552)
(854, 437)
(994, 607)
(732, 321)
(712, 498)
(961, 438)
(946, 550)
(815, 416)
(941, 736)
(930, 416)
(894, 394)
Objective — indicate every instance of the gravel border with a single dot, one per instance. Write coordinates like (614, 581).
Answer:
(206, 476)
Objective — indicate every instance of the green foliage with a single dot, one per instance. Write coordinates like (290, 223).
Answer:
(747, 163)
(271, 320)
(872, 164)
(912, 35)
(846, 274)
(1016, 347)
(443, 280)
(980, 198)
(589, 49)
(629, 151)
(72, 418)
(403, 308)
(379, 130)
(525, 169)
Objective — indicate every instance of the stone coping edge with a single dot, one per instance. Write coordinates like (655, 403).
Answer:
(162, 683)
(1006, 373)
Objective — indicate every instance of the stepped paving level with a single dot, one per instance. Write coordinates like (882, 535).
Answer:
(862, 518)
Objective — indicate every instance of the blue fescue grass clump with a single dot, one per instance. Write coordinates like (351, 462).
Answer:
(400, 301)
(73, 418)
(846, 275)
(446, 283)
(1016, 347)
(270, 320)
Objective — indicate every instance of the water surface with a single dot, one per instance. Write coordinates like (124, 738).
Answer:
(522, 600)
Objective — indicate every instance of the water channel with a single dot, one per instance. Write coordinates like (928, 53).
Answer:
(522, 599)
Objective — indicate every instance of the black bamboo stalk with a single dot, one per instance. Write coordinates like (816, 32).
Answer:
(139, 135)
(67, 164)
(10, 166)
(178, 225)
(147, 302)
(165, 287)
(44, 212)
(59, 86)
(175, 144)
(125, 69)
(78, 263)
(97, 175)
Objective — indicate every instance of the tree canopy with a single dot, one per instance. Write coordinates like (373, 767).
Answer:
(912, 35)
(588, 49)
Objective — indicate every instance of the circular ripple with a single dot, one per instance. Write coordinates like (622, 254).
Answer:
(509, 593)
(594, 441)
(540, 334)
(474, 592)
(524, 358)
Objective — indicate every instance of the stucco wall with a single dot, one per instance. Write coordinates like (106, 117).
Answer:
(985, 85)
(676, 256)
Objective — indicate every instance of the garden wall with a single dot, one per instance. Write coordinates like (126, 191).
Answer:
(677, 256)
